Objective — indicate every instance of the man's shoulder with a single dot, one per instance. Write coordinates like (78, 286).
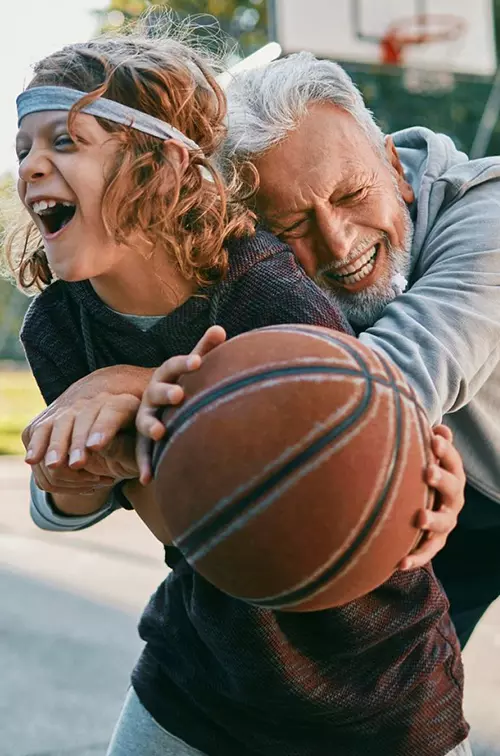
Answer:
(464, 177)
(435, 156)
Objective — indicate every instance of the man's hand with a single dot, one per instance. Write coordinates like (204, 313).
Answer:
(63, 433)
(87, 415)
(103, 469)
(448, 478)
(162, 391)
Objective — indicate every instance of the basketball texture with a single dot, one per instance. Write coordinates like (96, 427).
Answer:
(292, 475)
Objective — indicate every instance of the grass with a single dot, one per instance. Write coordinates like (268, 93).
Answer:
(20, 401)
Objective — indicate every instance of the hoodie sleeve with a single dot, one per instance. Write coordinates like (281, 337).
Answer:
(444, 332)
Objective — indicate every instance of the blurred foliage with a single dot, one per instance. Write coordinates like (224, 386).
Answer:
(20, 401)
(12, 303)
(245, 21)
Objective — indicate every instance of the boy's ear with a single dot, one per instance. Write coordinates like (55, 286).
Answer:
(178, 154)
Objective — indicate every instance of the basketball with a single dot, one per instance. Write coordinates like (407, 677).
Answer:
(292, 475)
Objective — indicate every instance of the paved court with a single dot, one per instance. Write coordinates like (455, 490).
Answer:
(68, 640)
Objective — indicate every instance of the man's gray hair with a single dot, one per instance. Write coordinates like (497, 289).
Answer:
(266, 104)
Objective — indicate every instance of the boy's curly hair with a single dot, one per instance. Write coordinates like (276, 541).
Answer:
(167, 78)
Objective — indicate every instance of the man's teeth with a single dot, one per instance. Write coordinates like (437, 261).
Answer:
(357, 270)
(42, 205)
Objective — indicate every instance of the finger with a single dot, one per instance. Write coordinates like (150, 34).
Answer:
(143, 456)
(39, 477)
(441, 522)
(148, 424)
(39, 443)
(448, 456)
(427, 550)
(213, 337)
(444, 432)
(448, 486)
(172, 369)
(161, 394)
(68, 477)
(46, 482)
(65, 475)
(110, 420)
(61, 446)
(82, 424)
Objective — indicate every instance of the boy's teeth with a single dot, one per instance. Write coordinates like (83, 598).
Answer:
(42, 205)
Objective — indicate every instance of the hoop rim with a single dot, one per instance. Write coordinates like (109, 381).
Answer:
(396, 33)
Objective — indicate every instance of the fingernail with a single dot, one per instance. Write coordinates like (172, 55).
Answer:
(192, 362)
(95, 439)
(173, 394)
(75, 456)
(51, 457)
(408, 565)
(29, 454)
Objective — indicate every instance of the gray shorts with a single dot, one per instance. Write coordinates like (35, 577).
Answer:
(136, 732)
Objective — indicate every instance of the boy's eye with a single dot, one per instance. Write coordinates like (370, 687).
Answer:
(21, 154)
(64, 141)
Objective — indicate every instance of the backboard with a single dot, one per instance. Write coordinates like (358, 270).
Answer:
(352, 30)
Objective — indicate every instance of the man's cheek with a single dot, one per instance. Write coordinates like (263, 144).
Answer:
(306, 256)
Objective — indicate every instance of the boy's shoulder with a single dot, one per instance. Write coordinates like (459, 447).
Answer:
(48, 310)
(246, 252)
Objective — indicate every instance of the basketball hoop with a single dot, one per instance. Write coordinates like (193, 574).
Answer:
(418, 30)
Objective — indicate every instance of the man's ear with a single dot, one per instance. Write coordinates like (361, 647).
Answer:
(405, 188)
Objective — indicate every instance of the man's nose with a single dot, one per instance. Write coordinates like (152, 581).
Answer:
(34, 166)
(337, 233)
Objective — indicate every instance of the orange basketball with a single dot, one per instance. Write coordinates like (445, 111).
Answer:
(292, 475)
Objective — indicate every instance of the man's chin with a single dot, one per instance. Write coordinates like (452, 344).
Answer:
(361, 308)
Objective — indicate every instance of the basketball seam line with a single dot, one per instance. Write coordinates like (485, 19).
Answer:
(209, 528)
(314, 587)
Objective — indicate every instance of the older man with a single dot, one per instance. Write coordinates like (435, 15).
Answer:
(370, 217)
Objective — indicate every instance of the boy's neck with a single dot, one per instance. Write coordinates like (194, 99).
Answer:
(143, 285)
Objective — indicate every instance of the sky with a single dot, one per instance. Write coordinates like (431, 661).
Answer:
(31, 29)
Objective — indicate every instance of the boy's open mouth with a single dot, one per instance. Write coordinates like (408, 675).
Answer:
(54, 215)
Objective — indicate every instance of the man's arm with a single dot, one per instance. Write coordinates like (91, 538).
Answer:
(47, 510)
(444, 333)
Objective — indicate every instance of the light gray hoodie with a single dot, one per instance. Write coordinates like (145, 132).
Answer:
(444, 331)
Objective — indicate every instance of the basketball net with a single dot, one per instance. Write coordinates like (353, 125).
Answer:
(422, 30)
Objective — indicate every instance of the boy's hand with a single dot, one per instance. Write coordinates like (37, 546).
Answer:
(448, 478)
(162, 391)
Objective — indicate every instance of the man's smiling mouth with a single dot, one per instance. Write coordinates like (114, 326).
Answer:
(356, 271)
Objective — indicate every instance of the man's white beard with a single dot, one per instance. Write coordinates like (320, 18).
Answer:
(363, 308)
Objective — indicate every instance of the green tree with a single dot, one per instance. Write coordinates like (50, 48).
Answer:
(246, 21)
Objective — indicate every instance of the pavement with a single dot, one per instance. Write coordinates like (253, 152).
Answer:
(69, 609)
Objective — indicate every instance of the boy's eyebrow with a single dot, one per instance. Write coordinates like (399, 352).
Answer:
(58, 120)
